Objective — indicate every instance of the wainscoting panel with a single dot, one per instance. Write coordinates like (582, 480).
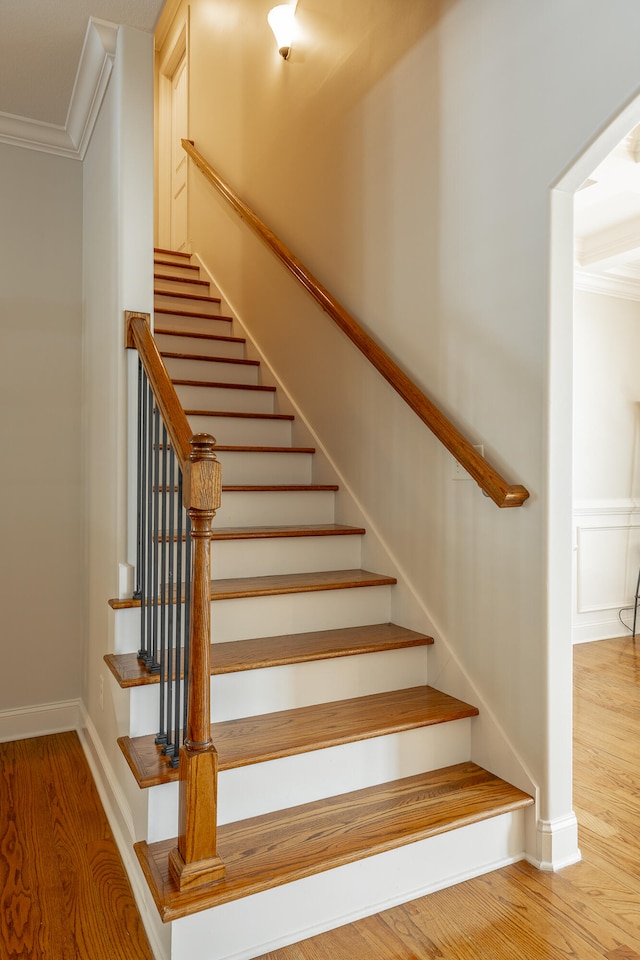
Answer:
(606, 563)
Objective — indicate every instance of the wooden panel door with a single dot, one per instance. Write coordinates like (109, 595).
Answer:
(179, 179)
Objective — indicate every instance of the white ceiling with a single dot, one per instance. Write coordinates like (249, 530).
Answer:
(607, 223)
(51, 53)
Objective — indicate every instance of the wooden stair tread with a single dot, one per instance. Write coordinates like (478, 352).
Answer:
(193, 280)
(161, 262)
(305, 530)
(262, 652)
(240, 414)
(171, 311)
(278, 487)
(237, 588)
(172, 253)
(277, 848)
(222, 385)
(196, 335)
(287, 733)
(196, 297)
(276, 532)
(229, 448)
(176, 355)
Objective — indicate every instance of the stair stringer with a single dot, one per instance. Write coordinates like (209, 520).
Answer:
(490, 745)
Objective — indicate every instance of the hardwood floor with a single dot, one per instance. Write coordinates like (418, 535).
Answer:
(588, 911)
(64, 894)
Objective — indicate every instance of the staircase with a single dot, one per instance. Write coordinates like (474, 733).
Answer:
(346, 782)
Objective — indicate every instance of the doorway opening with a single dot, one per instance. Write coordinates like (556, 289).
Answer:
(606, 422)
(173, 126)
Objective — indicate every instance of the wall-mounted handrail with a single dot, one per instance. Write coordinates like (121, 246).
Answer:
(194, 861)
(494, 485)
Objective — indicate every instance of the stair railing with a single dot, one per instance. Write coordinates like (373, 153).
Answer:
(173, 586)
(490, 481)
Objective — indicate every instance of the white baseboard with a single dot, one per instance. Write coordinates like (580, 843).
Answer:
(601, 630)
(557, 844)
(40, 719)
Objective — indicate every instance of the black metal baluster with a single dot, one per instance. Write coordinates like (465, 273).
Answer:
(173, 680)
(180, 634)
(187, 624)
(146, 601)
(154, 665)
(137, 593)
(164, 667)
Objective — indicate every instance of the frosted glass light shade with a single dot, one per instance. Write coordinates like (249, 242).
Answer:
(281, 21)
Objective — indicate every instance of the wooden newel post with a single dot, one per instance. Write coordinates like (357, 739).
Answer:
(195, 862)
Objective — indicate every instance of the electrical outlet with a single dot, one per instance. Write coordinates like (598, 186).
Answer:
(101, 691)
(459, 472)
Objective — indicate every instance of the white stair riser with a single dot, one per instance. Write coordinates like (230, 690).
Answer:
(254, 692)
(271, 556)
(164, 299)
(275, 555)
(299, 613)
(219, 326)
(277, 784)
(287, 914)
(176, 269)
(272, 616)
(225, 398)
(207, 348)
(243, 431)
(262, 467)
(270, 507)
(181, 369)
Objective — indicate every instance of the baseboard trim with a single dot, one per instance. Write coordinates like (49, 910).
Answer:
(557, 844)
(121, 822)
(601, 629)
(40, 720)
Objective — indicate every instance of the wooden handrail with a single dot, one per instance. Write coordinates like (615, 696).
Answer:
(494, 485)
(138, 336)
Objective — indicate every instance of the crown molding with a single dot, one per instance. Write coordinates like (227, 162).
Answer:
(625, 288)
(92, 77)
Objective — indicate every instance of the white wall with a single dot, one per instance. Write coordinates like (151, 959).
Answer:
(118, 269)
(41, 566)
(409, 161)
(606, 461)
(118, 276)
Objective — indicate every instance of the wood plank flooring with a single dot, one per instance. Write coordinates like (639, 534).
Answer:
(588, 911)
(64, 894)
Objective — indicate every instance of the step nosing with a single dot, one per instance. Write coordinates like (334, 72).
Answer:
(264, 852)
(221, 385)
(240, 415)
(174, 355)
(239, 588)
(288, 733)
(198, 335)
(258, 653)
(180, 295)
(191, 313)
(227, 448)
